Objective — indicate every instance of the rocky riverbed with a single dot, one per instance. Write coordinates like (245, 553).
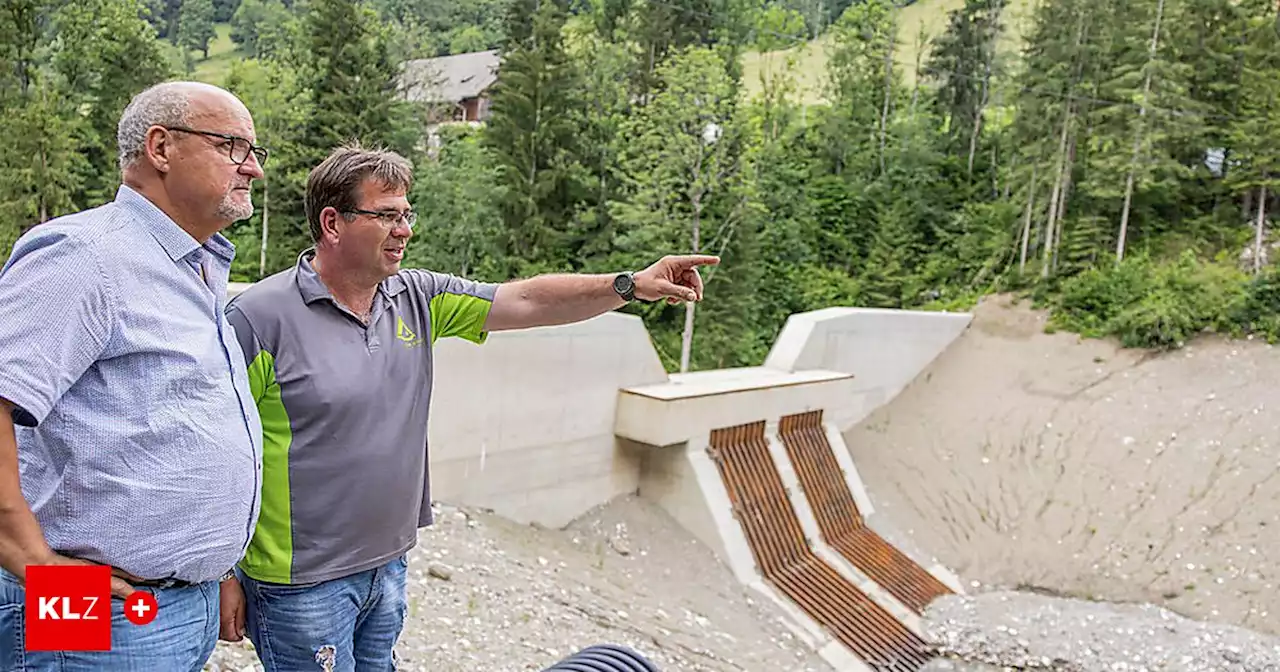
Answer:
(1026, 631)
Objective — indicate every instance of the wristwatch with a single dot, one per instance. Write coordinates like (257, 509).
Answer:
(231, 574)
(625, 285)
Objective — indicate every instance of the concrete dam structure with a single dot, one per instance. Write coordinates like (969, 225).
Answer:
(878, 454)
(542, 425)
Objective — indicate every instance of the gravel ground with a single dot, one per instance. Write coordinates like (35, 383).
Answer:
(521, 598)
(1036, 632)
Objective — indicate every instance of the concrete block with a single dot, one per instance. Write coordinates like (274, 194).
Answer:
(885, 349)
(693, 404)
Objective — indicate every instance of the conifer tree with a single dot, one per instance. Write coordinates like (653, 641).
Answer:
(532, 133)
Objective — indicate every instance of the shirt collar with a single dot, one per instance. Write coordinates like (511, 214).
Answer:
(177, 243)
(313, 288)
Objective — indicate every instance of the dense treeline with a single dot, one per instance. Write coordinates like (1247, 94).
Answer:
(1120, 164)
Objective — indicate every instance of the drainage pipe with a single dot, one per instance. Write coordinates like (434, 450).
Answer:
(604, 658)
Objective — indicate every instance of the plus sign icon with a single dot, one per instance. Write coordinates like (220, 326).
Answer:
(140, 608)
(69, 608)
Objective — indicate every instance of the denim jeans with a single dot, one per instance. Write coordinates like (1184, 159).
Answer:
(181, 637)
(349, 624)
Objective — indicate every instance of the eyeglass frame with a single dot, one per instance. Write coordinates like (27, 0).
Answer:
(253, 149)
(394, 217)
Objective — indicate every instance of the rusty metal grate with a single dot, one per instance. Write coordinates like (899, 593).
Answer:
(777, 541)
(843, 527)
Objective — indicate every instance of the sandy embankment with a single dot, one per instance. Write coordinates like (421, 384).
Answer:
(1027, 460)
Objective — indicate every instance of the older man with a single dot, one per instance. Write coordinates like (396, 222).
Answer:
(340, 352)
(128, 434)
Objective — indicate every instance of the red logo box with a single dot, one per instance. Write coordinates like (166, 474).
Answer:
(68, 608)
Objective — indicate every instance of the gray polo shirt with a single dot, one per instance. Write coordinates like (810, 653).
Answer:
(344, 415)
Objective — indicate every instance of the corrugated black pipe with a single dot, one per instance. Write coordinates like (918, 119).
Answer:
(604, 658)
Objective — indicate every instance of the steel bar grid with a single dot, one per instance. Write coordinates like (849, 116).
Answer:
(842, 525)
(773, 532)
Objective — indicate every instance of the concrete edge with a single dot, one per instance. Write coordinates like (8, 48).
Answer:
(791, 341)
(733, 541)
(851, 476)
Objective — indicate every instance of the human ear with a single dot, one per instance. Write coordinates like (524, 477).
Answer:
(158, 149)
(329, 223)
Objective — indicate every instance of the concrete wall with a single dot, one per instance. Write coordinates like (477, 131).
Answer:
(884, 350)
(524, 424)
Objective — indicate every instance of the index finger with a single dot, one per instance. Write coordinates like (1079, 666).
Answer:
(698, 259)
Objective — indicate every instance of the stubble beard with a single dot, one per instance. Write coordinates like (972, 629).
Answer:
(231, 210)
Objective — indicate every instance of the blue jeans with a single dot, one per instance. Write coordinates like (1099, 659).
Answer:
(180, 638)
(349, 624)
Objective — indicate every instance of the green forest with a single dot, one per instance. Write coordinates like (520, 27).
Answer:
(1116, 161)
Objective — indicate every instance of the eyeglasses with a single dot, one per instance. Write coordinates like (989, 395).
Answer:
(388, 218)
(239, 149)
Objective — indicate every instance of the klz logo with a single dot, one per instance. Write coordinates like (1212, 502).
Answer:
(68, 608)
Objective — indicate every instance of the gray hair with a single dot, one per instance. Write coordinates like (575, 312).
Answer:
(164, 104)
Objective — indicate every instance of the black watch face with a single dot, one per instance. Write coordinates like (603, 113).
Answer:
(622, 283)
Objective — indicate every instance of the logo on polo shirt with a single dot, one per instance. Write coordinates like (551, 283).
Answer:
(406, 335)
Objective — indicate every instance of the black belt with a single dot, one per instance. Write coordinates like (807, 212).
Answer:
(161, 583)
(146, 583)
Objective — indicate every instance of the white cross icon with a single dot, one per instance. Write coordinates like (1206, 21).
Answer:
(140, 609)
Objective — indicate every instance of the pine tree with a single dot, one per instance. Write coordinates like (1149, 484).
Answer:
(105, 54)
(342, 59)
(1254, 134)
(963, 61)
(532, 132)
(353, 79)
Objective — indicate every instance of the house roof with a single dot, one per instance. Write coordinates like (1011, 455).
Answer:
(450, 78)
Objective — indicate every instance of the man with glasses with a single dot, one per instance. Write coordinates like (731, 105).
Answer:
(340, 361)
(128, 432)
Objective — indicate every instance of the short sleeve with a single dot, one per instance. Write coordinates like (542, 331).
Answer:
(57, 315)
(260, 362)
(459, 307)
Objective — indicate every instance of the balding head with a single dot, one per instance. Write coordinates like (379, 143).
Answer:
(169, 104)
(191, 149)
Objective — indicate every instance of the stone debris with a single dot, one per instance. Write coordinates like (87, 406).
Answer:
(439, 571)
(1029, 631)
(486, 593)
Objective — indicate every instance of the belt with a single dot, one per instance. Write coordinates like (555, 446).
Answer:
(161, 583)
(140, 582)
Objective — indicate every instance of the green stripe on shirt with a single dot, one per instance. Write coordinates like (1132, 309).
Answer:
(270, 553)
(461, 315)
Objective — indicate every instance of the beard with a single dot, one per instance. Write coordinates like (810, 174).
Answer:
(232, 210)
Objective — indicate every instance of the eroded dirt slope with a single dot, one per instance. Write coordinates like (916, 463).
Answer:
(1045, 461)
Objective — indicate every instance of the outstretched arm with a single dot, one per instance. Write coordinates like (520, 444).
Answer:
(554, 299)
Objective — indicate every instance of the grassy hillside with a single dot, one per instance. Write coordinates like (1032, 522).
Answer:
(222, 53)
(917, 23)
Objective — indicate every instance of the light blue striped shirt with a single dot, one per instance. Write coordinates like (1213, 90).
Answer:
(139, 442)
